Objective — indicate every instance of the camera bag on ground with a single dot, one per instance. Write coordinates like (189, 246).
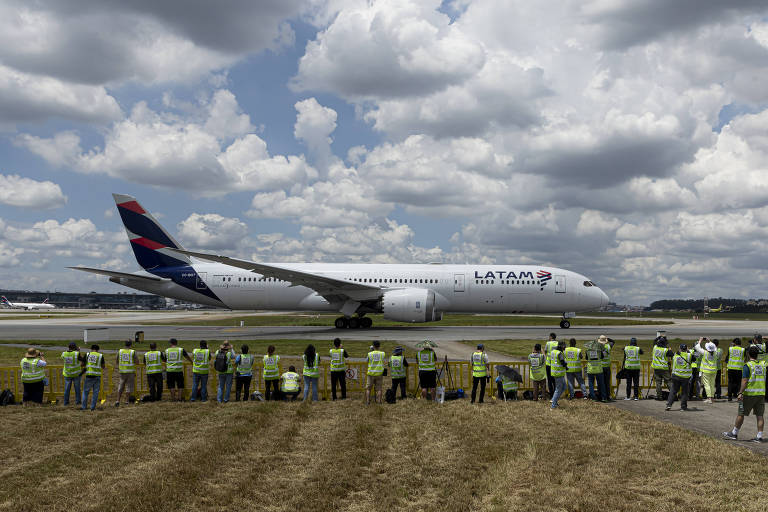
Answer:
(7, 398)
(390, 396)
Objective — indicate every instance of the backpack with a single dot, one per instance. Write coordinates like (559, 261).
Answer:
(220, 364)
(7, 398)
(390, 396)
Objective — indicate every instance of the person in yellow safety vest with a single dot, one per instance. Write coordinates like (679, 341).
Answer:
(660, 364)
(375, 373)
(244, 366)
(427, 373)
(734, 363)
(153, 365)
(94, 368)
(201, 367)
(33, 376)
(681, 376)
(338, 369)
(595, 351)
(479, 362)
(74, 368)
(763, 356)
(631, 365)
(606, 361)
(537, 372)
(224, 389)
(559, 367)
(126, 362)
(174, 369)
(707, 366)
(506, 388)
(751, 396)
(398, 369)
(289, 385)
(548, 348)
(574, 372)
(271, 373)
(719, 376)
(311, 371)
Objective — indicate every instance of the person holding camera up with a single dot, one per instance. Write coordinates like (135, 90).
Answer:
(707, 366)
(74, 367)
(480, 374)
(374, 378)
(660, 364)
(338, 369)
(734, 362)
(751, 396)
(632, 367)
(33, 376)
(681, 375)
(537, 372)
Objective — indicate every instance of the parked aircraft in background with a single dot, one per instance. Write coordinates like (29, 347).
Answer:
(403, 293)
(29, 306)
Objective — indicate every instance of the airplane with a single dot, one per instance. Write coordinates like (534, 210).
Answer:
(717, 310)
(413, 293)
(29, 306)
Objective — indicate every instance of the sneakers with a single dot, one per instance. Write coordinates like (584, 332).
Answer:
(635, 398)
(668, 408)
(708, 401)
(117, 404)
(729, 435)
(627, 398)
(757, 440)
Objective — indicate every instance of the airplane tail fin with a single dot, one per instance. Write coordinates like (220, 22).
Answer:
(45, 301)
(150, 242)
(4, 300)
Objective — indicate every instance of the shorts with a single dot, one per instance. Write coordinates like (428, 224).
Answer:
(751, 403)
(127, 382)
(427, 379)
(174, 380)
(374, 381)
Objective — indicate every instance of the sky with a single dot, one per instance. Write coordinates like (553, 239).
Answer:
(627, 141)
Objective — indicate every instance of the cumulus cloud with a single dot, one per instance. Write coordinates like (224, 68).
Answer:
(314, 125)
(28, 193)
(212, 231)
(388, 49)
(194, 152)
(116, 41)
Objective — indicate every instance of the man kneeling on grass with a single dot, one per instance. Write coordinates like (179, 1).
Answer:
(751, 395)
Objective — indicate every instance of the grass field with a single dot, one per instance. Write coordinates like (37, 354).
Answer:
(378, 320)
(413, 455)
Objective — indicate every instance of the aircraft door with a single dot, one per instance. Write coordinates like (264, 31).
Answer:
(559, 284)
(458, 282)
(200, 281)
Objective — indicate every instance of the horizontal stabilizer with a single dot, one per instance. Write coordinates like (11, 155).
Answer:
(126, 275)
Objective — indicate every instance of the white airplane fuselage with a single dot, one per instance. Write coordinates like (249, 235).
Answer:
(457, 288)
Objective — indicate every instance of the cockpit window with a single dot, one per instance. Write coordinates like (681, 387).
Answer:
(587, 284)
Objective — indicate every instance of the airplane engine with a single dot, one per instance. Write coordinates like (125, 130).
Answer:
(414, 305)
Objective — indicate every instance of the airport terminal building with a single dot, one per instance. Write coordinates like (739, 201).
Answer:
(91, 300)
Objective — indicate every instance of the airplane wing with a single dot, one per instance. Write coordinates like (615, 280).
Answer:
(333, 290)
(126, 275)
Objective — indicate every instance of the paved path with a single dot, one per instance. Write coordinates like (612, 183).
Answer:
(708, 419)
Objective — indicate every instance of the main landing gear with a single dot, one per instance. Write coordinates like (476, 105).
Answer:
(565, 324)
(353, 322)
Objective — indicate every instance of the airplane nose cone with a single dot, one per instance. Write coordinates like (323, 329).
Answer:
(604, 300)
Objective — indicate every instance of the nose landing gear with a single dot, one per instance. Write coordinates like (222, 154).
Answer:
(353, 322)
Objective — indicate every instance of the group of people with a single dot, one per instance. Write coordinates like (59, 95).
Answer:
(229, 366)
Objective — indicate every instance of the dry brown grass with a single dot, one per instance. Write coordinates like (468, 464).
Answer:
(343, 456)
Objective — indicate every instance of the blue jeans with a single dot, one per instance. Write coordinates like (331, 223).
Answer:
(68, 381)
(578, 377)
(202, 379)
(310, 381)
(225, 387)
(91, 384)
(600, 385)
(559, 388)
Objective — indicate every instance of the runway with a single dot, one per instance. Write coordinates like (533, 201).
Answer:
(123, 326)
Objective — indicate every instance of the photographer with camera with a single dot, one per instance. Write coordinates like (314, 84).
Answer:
(734, 362)
(681, 374)
(33, 376)
(707, 366)
(660, 364)
(631, 365)
(480, 373)
(558, 370)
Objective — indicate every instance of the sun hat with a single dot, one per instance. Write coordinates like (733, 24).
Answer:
(32, 352)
